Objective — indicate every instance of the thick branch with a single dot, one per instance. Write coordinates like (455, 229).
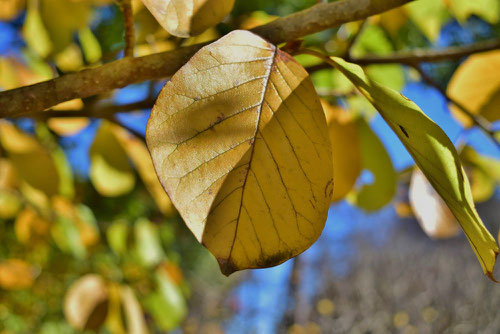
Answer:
(127, 71)
(416, 57)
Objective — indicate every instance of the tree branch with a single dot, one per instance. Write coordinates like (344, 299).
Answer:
(419, 56)
(123, 72)
(105, 111)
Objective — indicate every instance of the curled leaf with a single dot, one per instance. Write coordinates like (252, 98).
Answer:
(433, 153)
(110, 171)
(86, 302)
(240, 143)
(377, 193)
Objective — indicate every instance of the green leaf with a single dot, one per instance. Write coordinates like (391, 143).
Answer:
(433, 152)
(148, 245)
(488, 10)
(167, 304)
(429, 16)
(110, 171)
(90, 45)
(35, 33)
(374, 196)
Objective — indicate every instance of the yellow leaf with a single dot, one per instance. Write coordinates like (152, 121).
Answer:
(139, 154)
(63, 19)
(393, 20)
(8, 175)
(10, 204)
(70, 59)
(431, 211)
(374, 195)
(256, 19)
(9, 9)
(67, 126)
(184, 18)
(434, 153)
(345, 148)
(33, 162)
(30, 227)
(86, 302)
(489, 10)
(16, 274)
(34, 31)
(476, 86)
(429, 16)
(90, 45)
(240, 143)
(110, 171)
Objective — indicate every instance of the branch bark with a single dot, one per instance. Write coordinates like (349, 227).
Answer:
(128, 19)
(123, 72)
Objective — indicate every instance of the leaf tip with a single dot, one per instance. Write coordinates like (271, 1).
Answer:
(490, 273)
(227, 267)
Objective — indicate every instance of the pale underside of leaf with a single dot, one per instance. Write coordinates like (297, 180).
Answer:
(240, 143)
(185, 18)
(434, 153)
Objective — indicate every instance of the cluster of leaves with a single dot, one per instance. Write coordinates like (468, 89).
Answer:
(248, 152)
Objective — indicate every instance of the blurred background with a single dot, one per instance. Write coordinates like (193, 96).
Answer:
(89, 242)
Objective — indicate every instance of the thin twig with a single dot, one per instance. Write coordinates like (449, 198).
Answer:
(419, 56)
(104, 111)
(128, 19)
(477, 119)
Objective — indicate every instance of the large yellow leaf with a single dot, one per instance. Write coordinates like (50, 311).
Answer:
(33, 162)
(345, 148)
(433, 152)
(432, 214)
(138, 153)
(476, 85)
(184, 18)
(240, 143)
(110, 171)
(374, 195)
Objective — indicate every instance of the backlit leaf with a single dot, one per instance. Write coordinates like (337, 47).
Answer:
(429, 16)
(476, 86)
(139, 154)
(431, 211)
(110, 171)
(376, 193)
(488, 10)
(240, 143)
(10, 203)
(34, 31)
(345, 148)
(434, 153)
(184, 18)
